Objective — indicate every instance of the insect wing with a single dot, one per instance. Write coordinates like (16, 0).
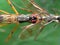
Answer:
(25, 5)
(26, 33)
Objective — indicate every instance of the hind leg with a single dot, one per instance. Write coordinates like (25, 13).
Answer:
(15, 28)
(4, 12)
(12, 6)
(11, 33)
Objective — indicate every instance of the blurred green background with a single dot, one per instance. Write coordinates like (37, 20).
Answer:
(49, 36)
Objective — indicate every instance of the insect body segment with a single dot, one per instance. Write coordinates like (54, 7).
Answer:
(39, 18)
(7, 18)
(31, 18)
(26, 18)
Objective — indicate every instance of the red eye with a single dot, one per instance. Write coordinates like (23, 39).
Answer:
(33, 19)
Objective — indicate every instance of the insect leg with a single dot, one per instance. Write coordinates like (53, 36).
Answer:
(25, 29)
(11, 33)
(38, 7)
(4, 12)
(35, 5)
(13, 7)
(14, 29)
(25, 9)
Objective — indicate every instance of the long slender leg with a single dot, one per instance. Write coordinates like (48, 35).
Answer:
(4, 12)
(28, 10)
(14, 29)
(35, 5)
(28, 26)
(25, 29)
(2, 25)
(11, 33)
(31, 11)
(38, 7)
(13, 7)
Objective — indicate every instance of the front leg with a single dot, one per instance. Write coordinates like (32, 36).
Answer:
(25, 29)
(28, 26)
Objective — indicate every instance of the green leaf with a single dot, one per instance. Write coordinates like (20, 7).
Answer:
(50, 34)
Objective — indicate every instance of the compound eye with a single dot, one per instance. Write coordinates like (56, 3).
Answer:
(58, 19)
(33, 19)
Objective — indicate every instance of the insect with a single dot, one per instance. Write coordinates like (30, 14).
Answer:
(38, 26)
(39, 18)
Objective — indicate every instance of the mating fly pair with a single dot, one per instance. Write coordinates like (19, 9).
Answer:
(38, 19)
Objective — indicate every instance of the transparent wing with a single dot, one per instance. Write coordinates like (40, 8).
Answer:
(26, 33)
(28, 5)
(24, 5)
(33, 30)
(31, 6)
